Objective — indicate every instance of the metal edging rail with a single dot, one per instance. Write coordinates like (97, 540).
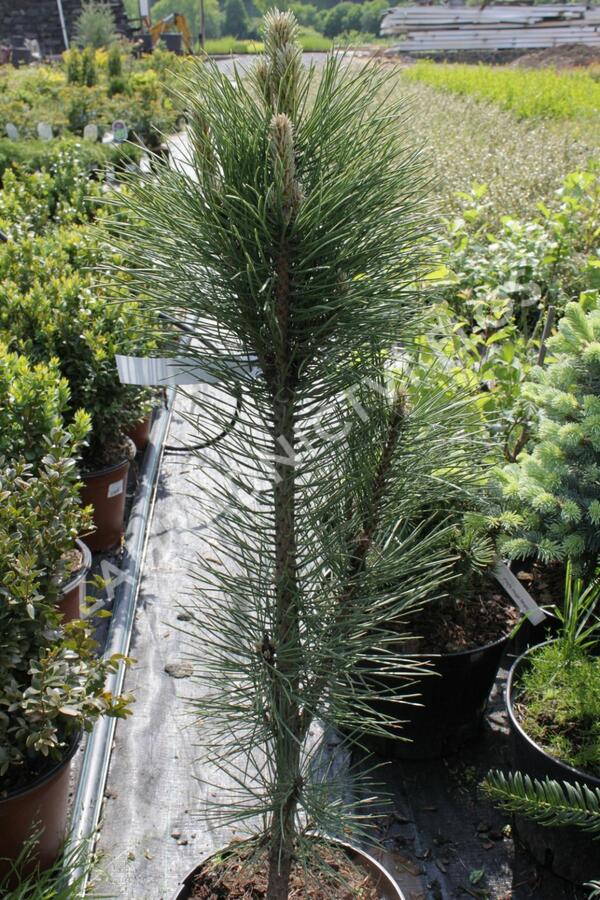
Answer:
(87, 805)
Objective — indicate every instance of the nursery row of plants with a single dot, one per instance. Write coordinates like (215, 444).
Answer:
(431, 369)
(529, 93)
(67, 425)
(94, 87)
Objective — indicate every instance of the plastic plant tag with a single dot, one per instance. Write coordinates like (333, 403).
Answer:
(119, 131)
(518, 594)
(44, 131)
(90, 132)
(12, 131)
(115, 489)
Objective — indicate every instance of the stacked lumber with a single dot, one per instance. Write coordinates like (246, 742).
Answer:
(423, 29)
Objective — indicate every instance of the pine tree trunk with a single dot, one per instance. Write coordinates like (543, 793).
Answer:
(281, 854)
(286, 633)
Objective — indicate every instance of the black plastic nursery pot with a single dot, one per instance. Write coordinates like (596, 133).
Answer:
(73, 592)
(106, 491)
(39, 808)
(567, 851)
(382, 880)
(452, 699)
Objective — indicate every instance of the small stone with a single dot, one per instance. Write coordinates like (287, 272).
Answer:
(184, 616)
(176, 834)
(181, 669)
(524, 576)
(182, 842)
(402, 820)
(487, 845)
(110, 794)
(406, 864)
(131, 856)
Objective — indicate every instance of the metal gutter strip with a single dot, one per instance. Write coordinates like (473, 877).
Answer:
(94, 771)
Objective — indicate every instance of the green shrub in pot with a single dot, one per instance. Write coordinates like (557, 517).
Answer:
(33, 403)
(33, 155)
(34, 258)
(559, 691)
(51, 677)
(54, 310)
(64, 194)
(554, 487)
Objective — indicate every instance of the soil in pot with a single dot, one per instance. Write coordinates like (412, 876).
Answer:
(553, 717)
(545, 583)
(40, 805)
(230, 879)
(461, 647)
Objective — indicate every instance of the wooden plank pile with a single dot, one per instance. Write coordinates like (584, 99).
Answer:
(426, 29)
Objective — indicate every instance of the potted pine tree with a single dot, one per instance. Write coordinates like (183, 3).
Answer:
(296, 246)
(460, 636)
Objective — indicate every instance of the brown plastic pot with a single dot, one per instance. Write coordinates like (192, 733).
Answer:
(73, 592)
(140, 433)
(40, 808)
(381, 878)
(106, 490)
(567, 851)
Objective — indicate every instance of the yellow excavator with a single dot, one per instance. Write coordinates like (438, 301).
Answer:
(175, 21)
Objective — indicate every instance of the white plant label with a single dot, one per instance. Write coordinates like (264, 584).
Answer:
(44, 131)
(90, 132)
(518, 594)
(12, 131)
(115, 489)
